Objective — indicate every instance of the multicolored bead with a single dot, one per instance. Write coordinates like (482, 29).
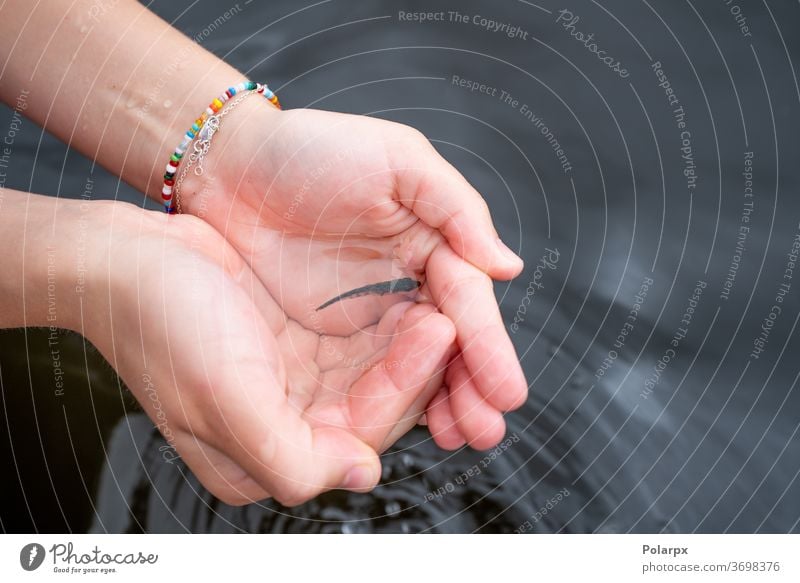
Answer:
(214, 107)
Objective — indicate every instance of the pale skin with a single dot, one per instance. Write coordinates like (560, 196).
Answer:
(264, 396)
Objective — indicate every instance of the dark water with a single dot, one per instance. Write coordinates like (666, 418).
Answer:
(675, 423)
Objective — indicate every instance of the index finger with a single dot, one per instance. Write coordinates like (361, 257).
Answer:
(439, 195)
(465, 295)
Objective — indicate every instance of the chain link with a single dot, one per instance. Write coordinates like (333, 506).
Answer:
(202, 144)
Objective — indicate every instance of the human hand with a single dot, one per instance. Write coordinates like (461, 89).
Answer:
(321, 203)
(251, 398)
(389, 206)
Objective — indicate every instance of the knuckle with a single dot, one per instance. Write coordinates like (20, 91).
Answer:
(412, 134)
(227, 495)
(291, 494)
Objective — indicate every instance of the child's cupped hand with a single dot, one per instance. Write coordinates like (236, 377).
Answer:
(257, 403)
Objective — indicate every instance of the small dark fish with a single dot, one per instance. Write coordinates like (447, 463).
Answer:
(394, 286)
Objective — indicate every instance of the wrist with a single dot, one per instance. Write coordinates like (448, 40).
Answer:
(105, 241)
(55, 249)
(134, 84)
(163, 123)
(238, 145)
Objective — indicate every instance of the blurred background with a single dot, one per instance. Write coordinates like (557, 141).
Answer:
(641, 156)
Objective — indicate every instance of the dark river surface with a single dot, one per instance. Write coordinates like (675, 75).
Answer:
(657, 334)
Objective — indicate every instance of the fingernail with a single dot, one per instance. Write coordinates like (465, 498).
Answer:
(359, 478)
(508, 253)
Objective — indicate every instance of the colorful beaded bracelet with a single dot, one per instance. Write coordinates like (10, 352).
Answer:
(211, 111)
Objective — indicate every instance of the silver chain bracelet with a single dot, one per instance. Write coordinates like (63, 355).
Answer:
(202, 144)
